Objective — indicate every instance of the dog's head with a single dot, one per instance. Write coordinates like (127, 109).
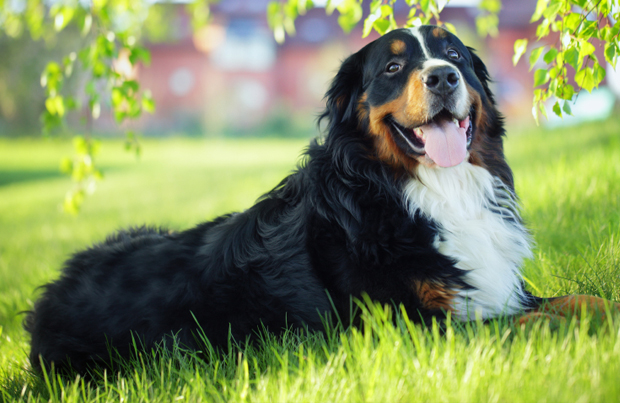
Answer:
(422, 97)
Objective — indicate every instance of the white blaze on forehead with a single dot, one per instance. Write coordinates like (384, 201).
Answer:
(437, 62)
(430, 61)
(418, 35)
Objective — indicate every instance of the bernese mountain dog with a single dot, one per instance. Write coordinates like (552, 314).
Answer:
(407, 199)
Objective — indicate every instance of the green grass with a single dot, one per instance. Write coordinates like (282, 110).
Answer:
(569, 184)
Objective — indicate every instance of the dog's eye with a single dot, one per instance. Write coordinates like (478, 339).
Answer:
(453, 54)
(393, 68)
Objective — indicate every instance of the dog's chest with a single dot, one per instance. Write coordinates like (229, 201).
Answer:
(480, 230)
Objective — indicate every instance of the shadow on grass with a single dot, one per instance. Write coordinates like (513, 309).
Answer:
(9, 177)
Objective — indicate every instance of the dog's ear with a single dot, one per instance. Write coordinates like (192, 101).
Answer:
(482, 73)
(345, 90)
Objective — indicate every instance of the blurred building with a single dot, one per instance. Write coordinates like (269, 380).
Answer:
(232, 77)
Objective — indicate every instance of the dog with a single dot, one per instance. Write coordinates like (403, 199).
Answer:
(407, 199)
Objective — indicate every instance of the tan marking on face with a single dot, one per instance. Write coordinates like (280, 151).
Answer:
(398, 47)
(487, 151)
(408, 109)
(439, 32)
(484, 150)
(434, 295)
(476, 100)
(477, 150)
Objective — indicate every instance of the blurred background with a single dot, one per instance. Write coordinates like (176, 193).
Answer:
(231, 78)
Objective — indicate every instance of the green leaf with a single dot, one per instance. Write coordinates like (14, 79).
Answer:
(541, 76)
(556, 109)
(80, 145)
(585, 79)
(572, 21)
(565, 91)
(375, 5)
(450, 27)
(369, 22)
(589, 29)
(99, 69)
(382, 26)
(386, 10)
(552, 10)
(87, 23)
(66, 165)
(131, 86)
(55, 105)
(71, 204)
(351, 14)
(599, 74)
(566, 108)
(535, 114)
(492, 6)
(542, 108)
(586, 49)
(119, 116)
(535, 55)
(611, 33)
(138, 53)
(148, 104)
(550, 55)
(487, 25)
(541, 6)
(538, 95)
(554, 72)
(71, 103)
(520, 47)
(571, 56)
(424, 6)
(611, 53)
(118, 97)
(97, 175)
(543, 29)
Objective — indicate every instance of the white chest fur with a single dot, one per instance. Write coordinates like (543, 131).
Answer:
(480, 230)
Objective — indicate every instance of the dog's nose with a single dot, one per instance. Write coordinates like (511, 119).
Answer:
(441, 80)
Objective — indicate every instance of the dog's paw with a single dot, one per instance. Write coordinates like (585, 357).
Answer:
(571, 305)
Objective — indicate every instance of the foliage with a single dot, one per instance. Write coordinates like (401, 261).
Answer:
(113, 29)
(575, 222)
(281, 15)
(21, 96)
(576, 27)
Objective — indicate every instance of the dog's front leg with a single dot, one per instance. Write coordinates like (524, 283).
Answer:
(561, 308)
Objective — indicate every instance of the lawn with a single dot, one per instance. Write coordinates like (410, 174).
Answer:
(569, 184)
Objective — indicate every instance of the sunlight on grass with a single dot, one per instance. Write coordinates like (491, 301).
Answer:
(569, 184)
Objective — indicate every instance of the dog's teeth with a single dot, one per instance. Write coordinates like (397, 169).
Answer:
(418, 132)
(456, 121)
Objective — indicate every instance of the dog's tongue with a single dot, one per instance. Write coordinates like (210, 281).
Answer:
(446, 142)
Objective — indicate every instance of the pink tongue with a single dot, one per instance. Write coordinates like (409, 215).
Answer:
(446, 143)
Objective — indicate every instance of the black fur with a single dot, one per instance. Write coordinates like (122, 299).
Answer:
(334, 229)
